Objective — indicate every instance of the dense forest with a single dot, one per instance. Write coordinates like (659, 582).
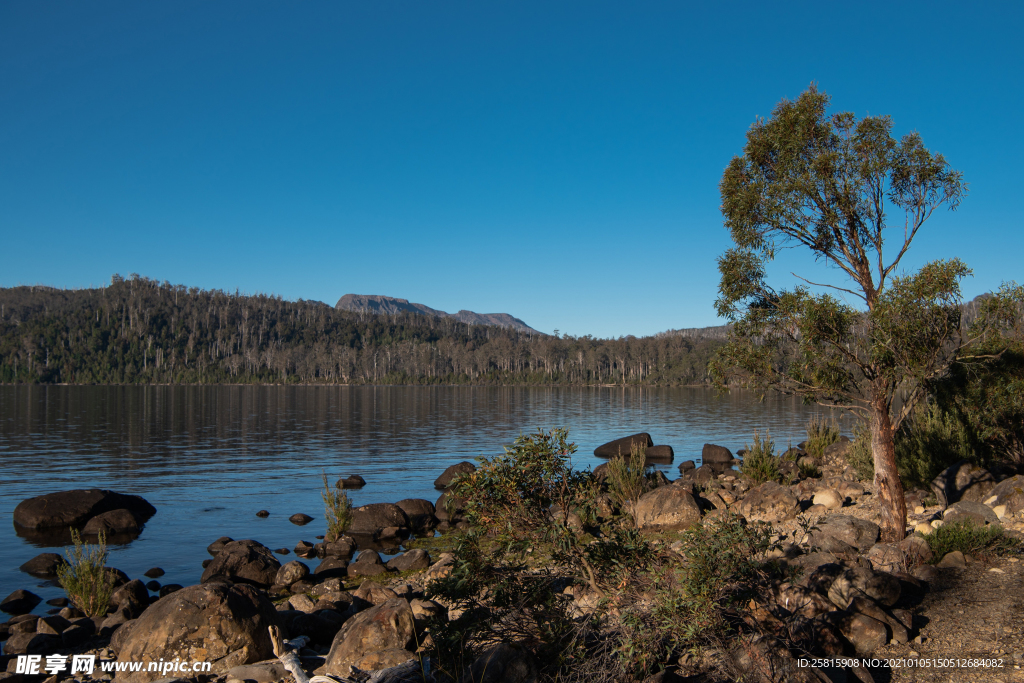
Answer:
(140, 331)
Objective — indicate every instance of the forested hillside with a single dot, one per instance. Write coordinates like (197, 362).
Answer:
(140, 331)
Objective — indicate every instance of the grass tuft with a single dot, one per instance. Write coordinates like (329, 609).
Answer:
(337, 510)
(759, 462)
(85, 578)
(821, 434)
(971, 539)
(627, 479)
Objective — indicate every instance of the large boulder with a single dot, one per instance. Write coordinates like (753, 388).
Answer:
(860, 533)
(865, 633)
(20, 602)
(464, 467)
(119, 521)
(44, 565)
(387, 626)
(769, 502)
(75, 508)
(716, 456)
(370, 519)
(244, 562)
(420, 513)
(970, 511)
(411, 560)
(659, 454)
(1009, 493)
(216, 623)
(624, 445)
(666, 507)
(860, 581)
(504, 663)
(291, 573)
(956, 479)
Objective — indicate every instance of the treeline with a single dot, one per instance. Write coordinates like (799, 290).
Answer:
(141, 331)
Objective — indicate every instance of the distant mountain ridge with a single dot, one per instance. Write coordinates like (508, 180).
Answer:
(375, 303)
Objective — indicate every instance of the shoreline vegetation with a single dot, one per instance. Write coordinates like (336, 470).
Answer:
(527, 570)
(141, 331)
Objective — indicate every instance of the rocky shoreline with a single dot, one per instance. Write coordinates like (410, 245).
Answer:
(353, 613)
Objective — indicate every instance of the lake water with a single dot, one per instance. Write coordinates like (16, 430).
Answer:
(209, 458)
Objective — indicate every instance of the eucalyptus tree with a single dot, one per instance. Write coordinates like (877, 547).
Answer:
(872, 337)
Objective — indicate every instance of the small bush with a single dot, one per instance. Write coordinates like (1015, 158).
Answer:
(85, 579)
(970, 538)
(860, 455)
(821, 434)
(724, 569)
(627, 479)
(810, 472)
(929, 442)
(759, 462)
(337, 510)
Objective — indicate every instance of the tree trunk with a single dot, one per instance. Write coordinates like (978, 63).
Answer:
(888, 487)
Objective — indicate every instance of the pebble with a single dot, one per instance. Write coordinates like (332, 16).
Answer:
(997, 570)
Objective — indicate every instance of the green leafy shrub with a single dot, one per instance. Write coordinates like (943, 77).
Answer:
(510, 495)
(627, 478)
(859, 454)
(724, 568)
(337, 510)
(85, 578)
(759, 462)
(821, 434)
(810, 472)
(931, 440)
(970, 538)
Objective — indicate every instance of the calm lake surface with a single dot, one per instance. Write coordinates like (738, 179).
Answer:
(209, 458)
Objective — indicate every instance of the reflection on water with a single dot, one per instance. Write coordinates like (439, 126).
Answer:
(209, 458)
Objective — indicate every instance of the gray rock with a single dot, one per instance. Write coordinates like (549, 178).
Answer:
(218, 545)
(368, 563)
(332, 567)
(863, 632)
(686, 466)
(300, 518)
(1009, 492)
(951, 483)
(291, 572)
(860, 581)
(860, 533)
(970, 511)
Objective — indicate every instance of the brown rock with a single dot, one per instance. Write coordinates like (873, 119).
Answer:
(453, 471)
(624, 445)
(769, 502)
(370, 519)
(387, 626)
(244, 562)
(225, 625)
(420, 513)
(113, 522)
(667, 507)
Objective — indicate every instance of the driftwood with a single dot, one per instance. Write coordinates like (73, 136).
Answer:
(412, 671)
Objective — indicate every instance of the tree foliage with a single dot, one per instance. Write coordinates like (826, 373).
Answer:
(140, 331)
(828, 184)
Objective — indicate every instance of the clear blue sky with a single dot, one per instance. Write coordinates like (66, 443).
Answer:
(558, 161)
